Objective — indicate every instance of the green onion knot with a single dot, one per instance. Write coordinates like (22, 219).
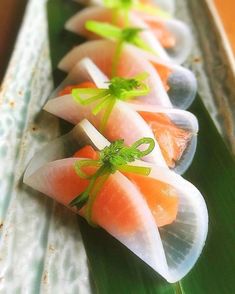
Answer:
(115, 157)
(105, 99)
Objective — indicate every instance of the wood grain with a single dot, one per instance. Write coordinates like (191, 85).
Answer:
(226, 10)
(11, 14)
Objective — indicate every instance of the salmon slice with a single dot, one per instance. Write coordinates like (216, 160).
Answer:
(170, 39)
(132, 63)
(68, 89)
(165, 5)
(123, 123)
(162, 199)
(119, 208)
(174, 35)
(181, 83)
(171, 139)
(87, 152)
(76, 24)
(161, 32)
(126, 124)
(63, 184)
(172, 252)
(164, 73)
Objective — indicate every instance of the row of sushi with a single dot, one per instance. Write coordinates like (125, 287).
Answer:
(119, 167)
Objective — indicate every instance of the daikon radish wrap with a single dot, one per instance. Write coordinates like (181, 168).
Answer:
(169, 39)
(171, 250)
(173, 130)
(180, 82)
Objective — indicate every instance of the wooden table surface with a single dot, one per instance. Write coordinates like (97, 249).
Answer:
(11, 13)
(226, 10)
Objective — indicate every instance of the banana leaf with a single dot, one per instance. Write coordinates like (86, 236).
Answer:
(116, 270)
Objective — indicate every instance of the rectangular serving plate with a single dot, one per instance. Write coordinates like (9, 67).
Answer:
(41, 249)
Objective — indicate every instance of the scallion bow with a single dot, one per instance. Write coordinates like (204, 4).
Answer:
(123, 7)
(114, 157)
(119, 8)
(119, 89)
(121, 36)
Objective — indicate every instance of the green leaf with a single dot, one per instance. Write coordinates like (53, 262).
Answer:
(114, 269)
(213, 172)
(58, 11)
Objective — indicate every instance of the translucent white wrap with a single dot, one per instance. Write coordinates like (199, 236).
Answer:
(179, 30)
(171, 250)
(125, 121)
(101, 52)
(182, 82)
(166, 5)
(134, 61)
(182, 119)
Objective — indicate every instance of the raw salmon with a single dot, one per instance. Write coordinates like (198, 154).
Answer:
(101, 52)
(181, 82)
(169, 38)
(121, 208)
(68, 89)
(162, 199)
(171, 139)
(76, 24)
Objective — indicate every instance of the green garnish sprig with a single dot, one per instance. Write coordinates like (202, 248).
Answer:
(119, 8)
(118, 89)
(129, 35)
(119, 4)
(125, 6)
(115, 157)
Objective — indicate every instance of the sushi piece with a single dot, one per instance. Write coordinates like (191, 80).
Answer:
(180, 82)
(174, 35)
(126, 205)
(170, 39)
(174, 130)
(78, 24)
(167, 6)
(100, 73)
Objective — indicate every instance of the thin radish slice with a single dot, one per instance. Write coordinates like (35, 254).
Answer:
(124, 123)
(81, 135)
(144, 240)
(66, 108)
(184, 40)
(166, 5)
(184, 120)
(179, 30)
(184, 239)
(182, 82)
(101, 52)
(83, 71)
(76, 23)
(174, 251)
